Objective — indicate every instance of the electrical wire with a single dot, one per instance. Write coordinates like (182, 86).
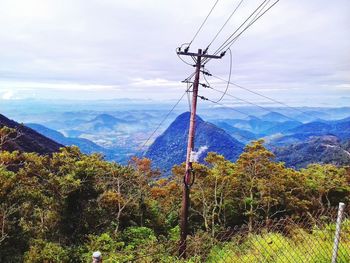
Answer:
(205, 20)
(229, 78)
(255, 17)
(251, 103)
(184, 61)
(221, 104)
(241, 112)
(188, 97)
(251, 23)
(261, 95)
(247, 19)
(227, 20)
(189, 77)
(232, 38)
(162, 121)
(194, 60)
(205, 78)
(231, 108)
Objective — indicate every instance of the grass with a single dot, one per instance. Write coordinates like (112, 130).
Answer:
(300, 246)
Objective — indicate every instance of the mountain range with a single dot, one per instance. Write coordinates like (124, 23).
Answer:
(170, 147)
(85, 145)
(293, 142)
(322, 149)
(103, 122)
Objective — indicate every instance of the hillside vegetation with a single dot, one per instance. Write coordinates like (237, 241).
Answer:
(61, 207)
(15, 136)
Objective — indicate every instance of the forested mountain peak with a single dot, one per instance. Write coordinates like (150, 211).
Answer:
(16, 136)
(170, 147)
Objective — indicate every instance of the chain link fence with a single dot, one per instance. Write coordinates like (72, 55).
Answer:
(318, 237)
(308, 238)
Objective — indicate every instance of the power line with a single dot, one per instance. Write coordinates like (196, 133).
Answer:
(228, 19)
(229, 78)
(188, 97)
(189, 77)
(261, 95)
(228, 107)
(217, 51)
(232, 38)
(162, 121)
(249, 102)
(255, 17)
(205, 20)
(207, 99)
(252, 22)
(184, 61)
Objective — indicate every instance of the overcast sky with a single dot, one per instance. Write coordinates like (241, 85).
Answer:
(298, 53)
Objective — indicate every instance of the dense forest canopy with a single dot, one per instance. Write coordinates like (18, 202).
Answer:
(61, 207)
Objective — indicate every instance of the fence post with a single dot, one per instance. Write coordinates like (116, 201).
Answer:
(337, 232)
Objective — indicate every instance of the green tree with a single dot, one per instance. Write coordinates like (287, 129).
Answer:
(8, 203)
(145, 177)
(325, 181)
(119, 194)
(7, 136)
(212, 189)
(267, 188)
(42, 251)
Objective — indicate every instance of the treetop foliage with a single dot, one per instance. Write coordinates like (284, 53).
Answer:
(60, 208)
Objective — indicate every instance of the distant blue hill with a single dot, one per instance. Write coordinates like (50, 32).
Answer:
(107, 119)
(85, 145)
(304, 132)
(104, 123)
(239, 134)
(321, 149)
(339, 128)
(282, 127)
(170, 147)
(290, 139)
(312, 127)
(275, 117)
(252, 124)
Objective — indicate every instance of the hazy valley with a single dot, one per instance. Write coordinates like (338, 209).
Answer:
(121, 129)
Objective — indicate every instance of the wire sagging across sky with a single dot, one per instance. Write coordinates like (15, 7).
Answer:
(163, 120)
(223, 26)
(261, 95)
(205, 20)
(248, 22)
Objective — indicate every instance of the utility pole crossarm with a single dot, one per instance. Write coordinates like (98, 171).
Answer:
(197, 55)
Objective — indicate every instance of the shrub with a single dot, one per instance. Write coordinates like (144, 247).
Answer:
(42, 251)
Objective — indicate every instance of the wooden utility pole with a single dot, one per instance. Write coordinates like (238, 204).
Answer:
(190, 147)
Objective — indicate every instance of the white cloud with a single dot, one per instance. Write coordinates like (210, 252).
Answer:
(345, 86)
(157, 82)
(119, 47)
(23, 85)
(7, 95)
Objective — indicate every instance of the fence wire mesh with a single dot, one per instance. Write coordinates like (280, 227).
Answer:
(308, 237)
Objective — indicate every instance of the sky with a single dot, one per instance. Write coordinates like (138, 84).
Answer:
(298, 53)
